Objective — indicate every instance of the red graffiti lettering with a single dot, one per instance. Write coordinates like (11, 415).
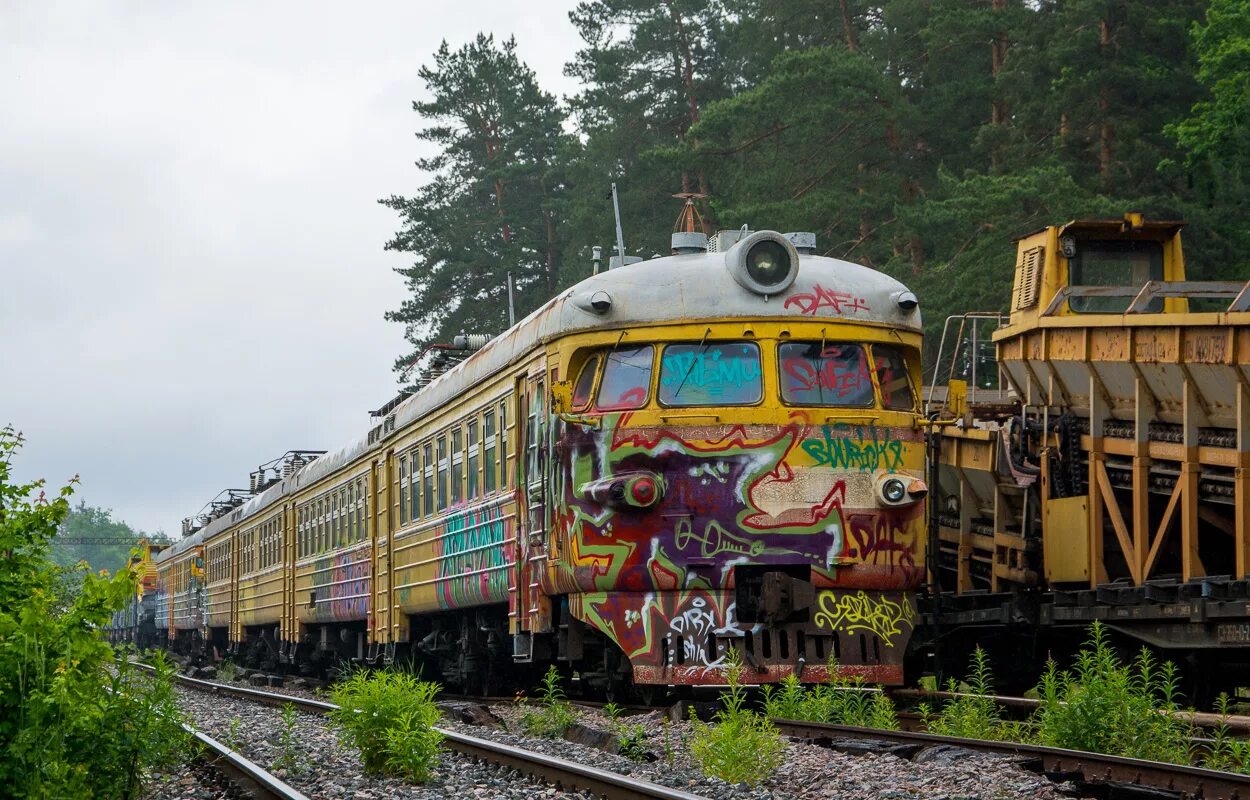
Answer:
(838, 302)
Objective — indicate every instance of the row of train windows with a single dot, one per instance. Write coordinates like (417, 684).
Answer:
(260, 547)
(731, 374)
(219, 562)
(337, 518)
(463, 463)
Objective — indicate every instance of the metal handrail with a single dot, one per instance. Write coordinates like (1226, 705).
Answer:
(1152, 290)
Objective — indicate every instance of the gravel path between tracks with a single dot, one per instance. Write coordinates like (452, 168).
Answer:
(810, 772)
(330, 769)
(192, 781)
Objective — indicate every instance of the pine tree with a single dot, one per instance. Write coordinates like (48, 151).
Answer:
(495, 202)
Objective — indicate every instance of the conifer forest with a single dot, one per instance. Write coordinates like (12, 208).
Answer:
(918, 137)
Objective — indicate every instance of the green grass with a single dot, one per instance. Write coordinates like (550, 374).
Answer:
(553, 714)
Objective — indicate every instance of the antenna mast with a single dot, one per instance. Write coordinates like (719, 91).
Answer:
(620, 236)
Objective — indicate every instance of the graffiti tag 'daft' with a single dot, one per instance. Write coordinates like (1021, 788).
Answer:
(820, 298)
(844, 446)
(862, 613)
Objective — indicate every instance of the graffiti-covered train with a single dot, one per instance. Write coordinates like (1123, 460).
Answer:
(717, 449)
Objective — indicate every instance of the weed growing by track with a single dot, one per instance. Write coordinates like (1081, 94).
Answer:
(631, 738)
(390, 717)
(974, 714)
(289, 756)
(741, 746)
(554, 713)
(840, 700)
(1105, 706)
(1227, 752)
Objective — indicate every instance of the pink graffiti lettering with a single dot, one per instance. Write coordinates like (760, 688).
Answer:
(838, 377)
(838, 302)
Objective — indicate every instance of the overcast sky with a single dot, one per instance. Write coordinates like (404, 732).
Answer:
(192, 278)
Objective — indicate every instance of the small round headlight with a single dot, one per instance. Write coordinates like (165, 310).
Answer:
(768, 263)
(893, 490)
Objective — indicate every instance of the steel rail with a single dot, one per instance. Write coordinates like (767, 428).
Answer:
(243, 773)
(1094, 768)
(550, 769)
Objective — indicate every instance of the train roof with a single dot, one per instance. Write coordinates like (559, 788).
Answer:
(659, 291)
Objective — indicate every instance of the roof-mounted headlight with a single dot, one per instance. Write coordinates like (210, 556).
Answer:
(764, 262)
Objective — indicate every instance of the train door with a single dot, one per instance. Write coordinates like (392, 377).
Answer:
(534, 607)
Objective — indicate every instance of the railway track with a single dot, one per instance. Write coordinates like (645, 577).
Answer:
(1116, 775)
(557, 771)
(250, 777)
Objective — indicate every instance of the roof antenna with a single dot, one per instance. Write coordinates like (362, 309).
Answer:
(511, 302)
(620, 236)
(689, 235)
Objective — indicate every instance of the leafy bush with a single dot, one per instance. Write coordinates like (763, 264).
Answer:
(841, 700)
(1104, 706)
(554, 713)
(390, 717)
(742, 746)
(75, 719)
(974, 714)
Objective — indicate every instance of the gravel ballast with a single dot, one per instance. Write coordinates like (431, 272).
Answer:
(327, 768)
(809, 772)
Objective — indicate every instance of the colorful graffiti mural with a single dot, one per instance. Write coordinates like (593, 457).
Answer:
(472, 558)
(341, 586)
(661, 582)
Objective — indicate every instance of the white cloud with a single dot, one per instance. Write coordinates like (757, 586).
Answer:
(192, 277)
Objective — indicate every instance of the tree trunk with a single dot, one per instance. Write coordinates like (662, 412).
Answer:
(848, 28)
(1106, 132)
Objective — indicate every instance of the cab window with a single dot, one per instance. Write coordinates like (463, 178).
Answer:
(585, 384)
(626, 380)
(711, 374)
(1114, 263)
(893, 378)
(835, 374)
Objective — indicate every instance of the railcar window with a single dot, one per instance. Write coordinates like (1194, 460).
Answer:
(1112, 263)
(362, 498)
(626, 380)
(893, 378)
(427, 461)
(488, 456)
(585, 384)
(351, 513)
(472, 443)
(711, 374)
(414, 489)
(504, 482)
(442, 472)
(343, 529)
(403, 479)
(835, 376)
(457, 466)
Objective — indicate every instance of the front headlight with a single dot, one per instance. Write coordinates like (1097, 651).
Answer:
(764, 262)
(893, 490)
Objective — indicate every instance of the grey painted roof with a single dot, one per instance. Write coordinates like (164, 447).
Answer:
(662, 290)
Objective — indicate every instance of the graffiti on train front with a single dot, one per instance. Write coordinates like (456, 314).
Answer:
(860, 612)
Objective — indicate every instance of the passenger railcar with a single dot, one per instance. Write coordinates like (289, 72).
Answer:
(718, 449)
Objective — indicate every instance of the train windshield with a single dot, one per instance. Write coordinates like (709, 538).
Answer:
(711, 374)
(893, 378)
(626, 380)
(835, 375)
(585, 384)
(1114, 263)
